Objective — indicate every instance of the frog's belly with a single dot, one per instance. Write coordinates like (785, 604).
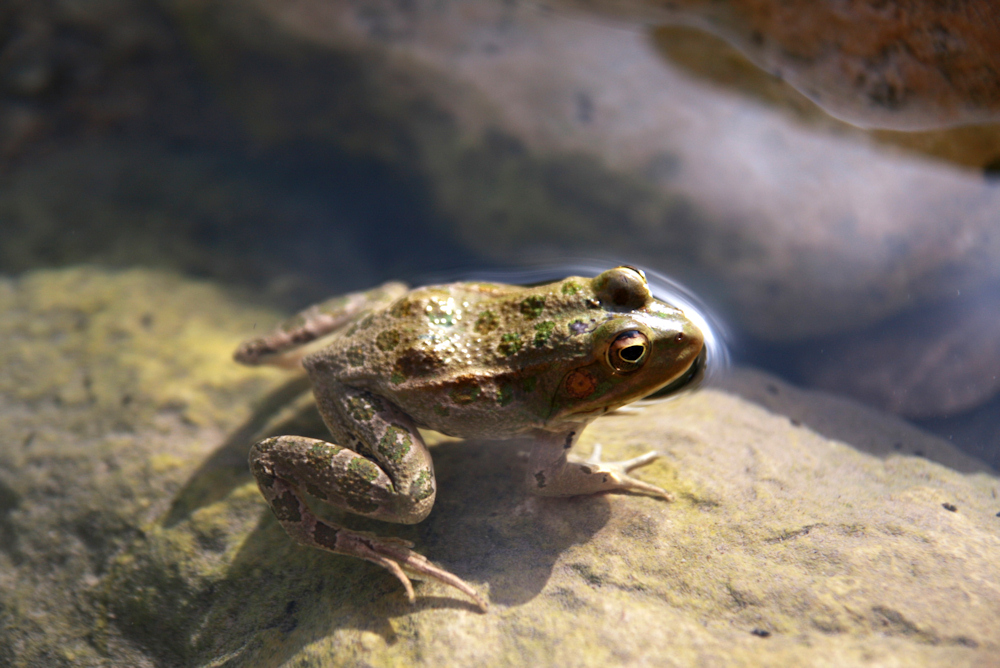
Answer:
(493, 422)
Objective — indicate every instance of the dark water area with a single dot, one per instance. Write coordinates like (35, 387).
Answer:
(296, 221)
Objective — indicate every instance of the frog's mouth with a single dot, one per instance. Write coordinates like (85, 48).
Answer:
(689, 380)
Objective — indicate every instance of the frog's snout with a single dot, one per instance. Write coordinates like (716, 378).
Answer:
(697, 370)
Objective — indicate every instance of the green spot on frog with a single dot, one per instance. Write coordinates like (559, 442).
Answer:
(510, 343)
(366, 322)
(570, 288)
(322, 453)
(486, 322)
(543, 331)
(355, 356)
(363, 469)
(387, 340)
(528, 384)
(533, 306)
(441, 410)
(396, 378)
(395, 444)
(506, 394)
(423, 485)
(361, 409)
(464, 393)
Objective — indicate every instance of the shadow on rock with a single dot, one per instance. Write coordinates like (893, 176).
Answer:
(226, 468)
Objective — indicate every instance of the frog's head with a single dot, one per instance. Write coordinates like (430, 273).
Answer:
(639, 346)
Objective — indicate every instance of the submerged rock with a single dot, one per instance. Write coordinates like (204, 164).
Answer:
(906, 65)
(133, 533)
(929, 363)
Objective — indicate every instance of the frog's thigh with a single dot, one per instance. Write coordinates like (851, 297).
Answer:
(285, 465)
(388, 475)
(376, 428)
(333, 474)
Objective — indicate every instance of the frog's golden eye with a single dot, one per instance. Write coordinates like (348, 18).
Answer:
(629, 351)
(622, 289)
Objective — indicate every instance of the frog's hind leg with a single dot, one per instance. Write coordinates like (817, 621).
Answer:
(287, 343)
(386, 474)
(393, 554)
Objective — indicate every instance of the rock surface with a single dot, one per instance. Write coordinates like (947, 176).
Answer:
(132, 533)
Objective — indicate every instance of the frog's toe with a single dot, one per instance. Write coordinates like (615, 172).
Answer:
(395, 555)
(641, 460)
(618, 471)
(628, 482)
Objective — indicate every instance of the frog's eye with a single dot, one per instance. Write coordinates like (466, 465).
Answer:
(628, 351)
(622, 289)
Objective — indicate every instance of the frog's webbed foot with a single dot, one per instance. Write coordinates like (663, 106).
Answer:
(395, 555)
(617, 473)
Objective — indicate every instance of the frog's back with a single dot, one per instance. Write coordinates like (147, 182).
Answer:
(462, 358)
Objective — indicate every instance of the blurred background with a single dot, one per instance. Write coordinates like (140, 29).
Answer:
(825, 175)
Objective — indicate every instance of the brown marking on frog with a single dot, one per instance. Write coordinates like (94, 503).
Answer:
(325, 535)
(286, 507)
(414, 362)
(580, 384)
(387, 340)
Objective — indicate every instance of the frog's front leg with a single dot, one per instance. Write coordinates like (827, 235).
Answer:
(392, 480)
(553, 471)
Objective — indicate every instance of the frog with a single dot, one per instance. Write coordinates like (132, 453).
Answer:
(474, 360)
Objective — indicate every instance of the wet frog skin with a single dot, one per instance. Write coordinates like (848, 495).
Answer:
(474, 360)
